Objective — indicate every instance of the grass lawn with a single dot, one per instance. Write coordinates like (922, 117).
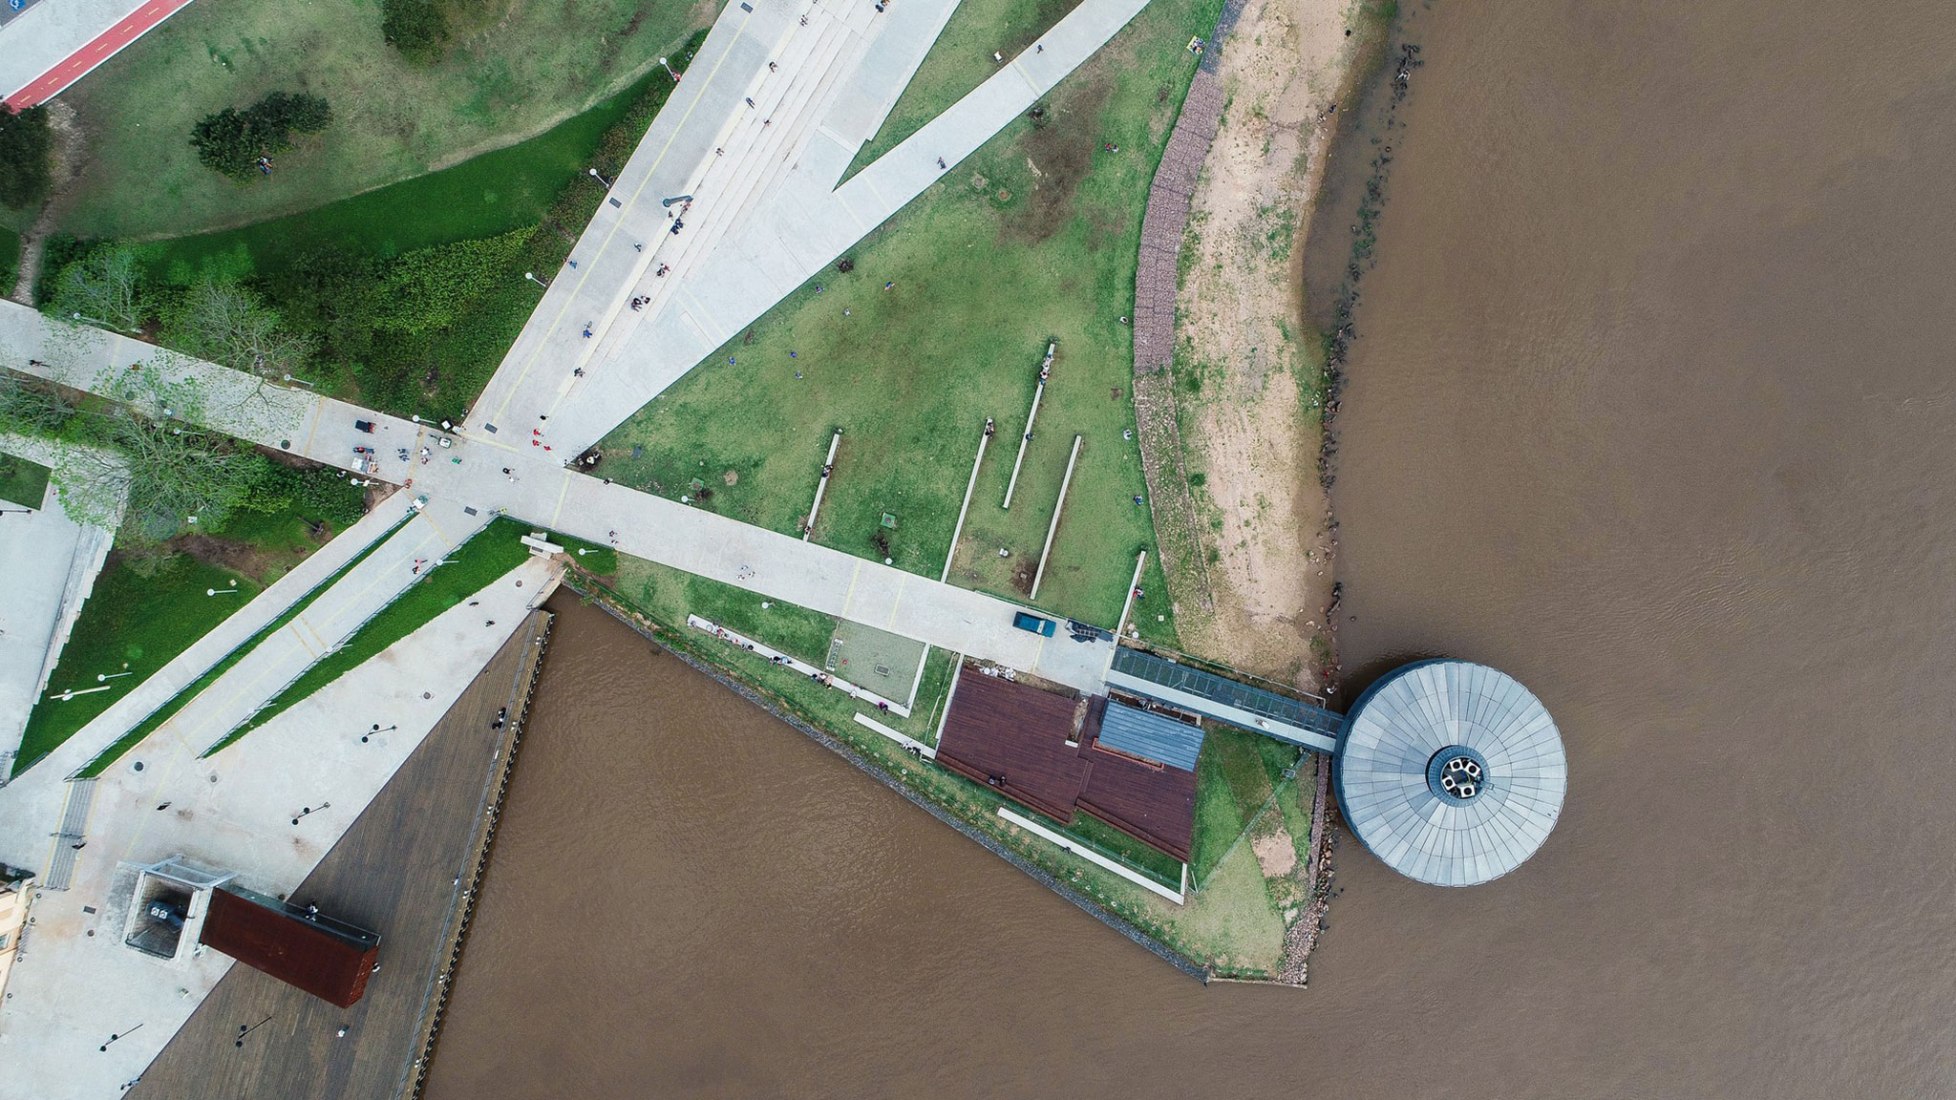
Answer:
(196, 687)
(1033, 239)
(1235, 776)
(143, 621)
(23, 481)
(532, 67)
(477, 563)
(481, 197)
(669, 595)
(960, 60)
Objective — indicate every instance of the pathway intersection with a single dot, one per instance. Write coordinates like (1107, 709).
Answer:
(749, 151)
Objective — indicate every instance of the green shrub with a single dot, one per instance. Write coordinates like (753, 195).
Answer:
(417, 28)
(26, 157)
(232, 141)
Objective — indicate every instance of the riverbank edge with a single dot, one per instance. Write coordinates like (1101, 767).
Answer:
(414, 1077)
(648, 630)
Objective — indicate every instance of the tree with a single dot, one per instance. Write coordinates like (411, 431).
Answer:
(172, 469)
(225, 323)
(105, 287)
(30, 406)
(417, 28)
(233, 141)
(26, 157)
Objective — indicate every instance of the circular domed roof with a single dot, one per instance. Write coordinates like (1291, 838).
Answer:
(1451, 772)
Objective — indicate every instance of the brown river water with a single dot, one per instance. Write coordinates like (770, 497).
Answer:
(1653, 407)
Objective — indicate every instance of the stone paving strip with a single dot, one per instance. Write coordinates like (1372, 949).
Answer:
(820, 676)
(910, 744)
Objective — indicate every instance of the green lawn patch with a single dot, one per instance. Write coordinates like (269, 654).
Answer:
(477, 563)
(520, 74)
(1235, 776)
(135, 619)
(480, 197)
(960, 60)
(1034, 239)
(669, 595)
(23, 481)
(1119, 847)
(177, 702)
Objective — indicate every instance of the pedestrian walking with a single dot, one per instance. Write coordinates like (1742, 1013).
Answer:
(941, 165)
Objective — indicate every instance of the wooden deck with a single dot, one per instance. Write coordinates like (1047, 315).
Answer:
(394, 872)
(1013, 737)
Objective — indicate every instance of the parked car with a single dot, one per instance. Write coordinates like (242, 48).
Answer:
(1042, 627)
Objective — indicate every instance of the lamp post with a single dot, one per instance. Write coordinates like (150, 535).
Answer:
(245, 1030)
(295, 378)
(104, 1048)
(104, 677)
(376, 729)
(308, 811)
(599, 178)
(668, 69)
(532, 276)
(231, 591)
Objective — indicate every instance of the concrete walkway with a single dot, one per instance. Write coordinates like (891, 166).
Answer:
(57, 42)
(768, 215)
(74, 983)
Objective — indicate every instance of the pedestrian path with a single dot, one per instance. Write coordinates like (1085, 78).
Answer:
(57, 42)
(768, 214)
(269, 808)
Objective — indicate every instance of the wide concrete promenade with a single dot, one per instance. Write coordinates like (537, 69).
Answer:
(289, 418)
(767, 215)
(75, 984)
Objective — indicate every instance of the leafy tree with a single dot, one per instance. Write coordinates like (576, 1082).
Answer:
(417, 28)
(225, 323)
(105, 286)
(30, 406)
(26, 157)
(232, 141)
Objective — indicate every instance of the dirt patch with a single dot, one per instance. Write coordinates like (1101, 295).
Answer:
(1059, 150)
(1275, 851)
(1248, 376)
(731, 478)
(70, 151)
(234, 556)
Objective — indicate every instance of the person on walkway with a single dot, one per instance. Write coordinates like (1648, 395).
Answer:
(941, 165)
(587, 330)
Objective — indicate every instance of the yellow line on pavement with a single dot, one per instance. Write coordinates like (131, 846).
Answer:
(524, 374)
(849, 596)
(561, 494)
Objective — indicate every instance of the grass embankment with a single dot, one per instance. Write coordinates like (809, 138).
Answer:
(23, 481)
(477, 563)
(135, 617)
(960, 60)
(524, 69)
(413, 293)
(147, 606)
(485, 196)
(168, 710)
(1033, 239)
(1234, 924)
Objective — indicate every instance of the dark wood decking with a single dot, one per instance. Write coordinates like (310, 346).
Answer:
(1013, 737)
(998, 729)
(394, 872)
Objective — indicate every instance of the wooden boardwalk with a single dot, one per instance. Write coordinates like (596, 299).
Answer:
(1014, 738)
(401, 871)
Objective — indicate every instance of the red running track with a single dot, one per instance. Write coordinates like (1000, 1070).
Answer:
(104, 46)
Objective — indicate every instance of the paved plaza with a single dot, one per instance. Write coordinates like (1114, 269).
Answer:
(757, 188)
